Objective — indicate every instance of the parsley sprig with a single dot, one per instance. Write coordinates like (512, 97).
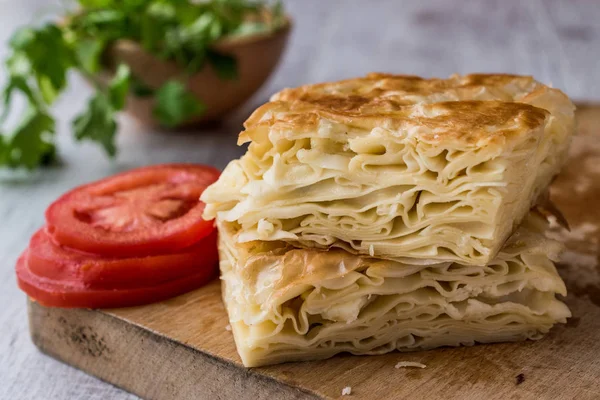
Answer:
(179, 30)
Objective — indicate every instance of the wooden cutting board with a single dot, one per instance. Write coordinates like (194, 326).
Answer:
(181, 349)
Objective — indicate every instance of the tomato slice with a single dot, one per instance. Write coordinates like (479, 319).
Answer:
(52, 293)
(49, 260)
(145, 211)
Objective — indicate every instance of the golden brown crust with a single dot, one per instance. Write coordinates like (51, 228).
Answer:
(379, 85)
(470, 121)
(457, 109)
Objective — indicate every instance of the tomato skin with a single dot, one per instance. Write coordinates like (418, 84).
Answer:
(138, 230)
(49, 260)
(131, 239)
(75, 295)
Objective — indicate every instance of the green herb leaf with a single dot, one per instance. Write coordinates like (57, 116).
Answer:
(31, 143)
(104, 17)
(278, 14)
(182, 31)
(88, 52)
(251, 28)
(139, 88)
(175, 105)
(202, 29)
(3, 149)
(37, 68)
(18, 83)
(18, 64)
(224, 65)
(45, 53)
(19, 70)
(103, 24)
(98, 122)
(119, 87)
(96, 3)
(162, 11)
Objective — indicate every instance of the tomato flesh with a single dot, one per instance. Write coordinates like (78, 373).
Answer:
(49, 260)
(75, 295)
(145, 211)
(131, 239)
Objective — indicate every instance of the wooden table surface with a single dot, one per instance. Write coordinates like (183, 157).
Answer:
(556, 41)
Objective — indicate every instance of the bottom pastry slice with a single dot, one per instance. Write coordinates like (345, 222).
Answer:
(291, 304)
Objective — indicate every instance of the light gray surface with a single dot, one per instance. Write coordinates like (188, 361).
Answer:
(556, 41)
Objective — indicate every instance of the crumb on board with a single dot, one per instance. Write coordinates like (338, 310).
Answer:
(346, 391)
(404, 364)
(228, 328)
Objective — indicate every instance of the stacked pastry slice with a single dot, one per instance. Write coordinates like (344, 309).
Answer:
(392, 213)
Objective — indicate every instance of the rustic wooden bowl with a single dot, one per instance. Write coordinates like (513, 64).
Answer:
(257, 56)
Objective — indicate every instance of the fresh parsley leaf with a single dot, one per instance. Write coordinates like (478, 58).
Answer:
(45, 53)
(153, 25)
(224, 65)
(96, 3)
(182, 31)
(3, 149)
(278, 14)
(104, 24)
(250, 28)
(119, 87)
(206, 27)
(18, 64)
(103, 17)
(98, 122)
(18, 83)
(175, 105)
(22, 38)
(31, 143)
(88, 52)
(37, 68)
(139, 88)
(162, 11)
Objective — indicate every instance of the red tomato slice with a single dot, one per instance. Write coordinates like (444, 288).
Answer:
(145, 211)
(49, 260)
(51, 293)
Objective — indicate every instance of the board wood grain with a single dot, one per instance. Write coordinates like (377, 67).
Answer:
(181, 349)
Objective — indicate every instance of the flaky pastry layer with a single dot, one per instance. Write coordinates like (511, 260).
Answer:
(403, 168)
(288, 304)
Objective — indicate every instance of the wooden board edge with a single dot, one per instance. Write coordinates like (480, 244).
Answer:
(136, 359)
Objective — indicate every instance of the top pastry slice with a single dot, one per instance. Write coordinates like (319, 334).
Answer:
(398, 167)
